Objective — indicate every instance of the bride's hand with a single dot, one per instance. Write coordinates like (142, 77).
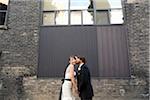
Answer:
(75, 91)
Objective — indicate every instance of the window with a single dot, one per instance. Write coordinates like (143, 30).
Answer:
(61, 18)
(55, 4)
(79, 4)
(55, 18)
(82, 12)
(108, 12)
(102, 17)
(3, 12)
(75, 17)
(49, 18)
(88, 17)
(116, 16)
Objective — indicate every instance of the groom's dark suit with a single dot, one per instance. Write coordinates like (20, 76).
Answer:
(84, 83)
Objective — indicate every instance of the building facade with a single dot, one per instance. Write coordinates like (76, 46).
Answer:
(34, 48)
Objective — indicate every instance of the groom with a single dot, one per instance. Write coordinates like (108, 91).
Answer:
(84, 79)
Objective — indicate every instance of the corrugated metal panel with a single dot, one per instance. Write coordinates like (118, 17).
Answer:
(58, 43)
(105, 48)
(112, 51)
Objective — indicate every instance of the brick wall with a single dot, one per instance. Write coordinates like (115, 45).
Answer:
(19, 60)
(19, 45)
(19, 42)
(137, 22)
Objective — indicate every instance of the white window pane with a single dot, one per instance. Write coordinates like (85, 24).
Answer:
(116, 17)
(105, 4)
(102, 4)
(115, 3)
(88, 17)
(62, 18)
(75, 17)
(55, 4)
(49, 18)
(80, 4)
(102, 17)
(4, 2)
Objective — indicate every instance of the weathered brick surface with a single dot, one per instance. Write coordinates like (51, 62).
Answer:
(20, 42)
(137, 22)
(137, 16)
(19, 60)
(104, 89)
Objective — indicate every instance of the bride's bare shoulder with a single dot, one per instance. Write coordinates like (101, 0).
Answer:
(71, 65)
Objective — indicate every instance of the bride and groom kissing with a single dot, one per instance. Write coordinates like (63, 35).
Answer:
(76, 83)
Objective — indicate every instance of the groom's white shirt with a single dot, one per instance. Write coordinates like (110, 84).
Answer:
(79, 68)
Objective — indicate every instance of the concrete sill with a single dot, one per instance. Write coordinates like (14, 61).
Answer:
(3, 27)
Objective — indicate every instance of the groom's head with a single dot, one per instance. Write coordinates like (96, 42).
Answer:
(80, 59)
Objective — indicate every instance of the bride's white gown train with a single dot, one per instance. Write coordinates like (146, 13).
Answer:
(67, 87)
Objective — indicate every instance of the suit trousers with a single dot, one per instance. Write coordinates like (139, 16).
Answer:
(86, 99)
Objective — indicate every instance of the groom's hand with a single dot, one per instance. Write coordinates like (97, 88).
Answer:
(77, 91)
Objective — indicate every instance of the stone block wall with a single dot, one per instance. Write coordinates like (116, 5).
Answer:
(19, 43)
(137, 22)
(19, 46)
(19, 60)
(104, 89)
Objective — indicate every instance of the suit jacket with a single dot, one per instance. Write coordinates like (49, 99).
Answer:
(84, 82)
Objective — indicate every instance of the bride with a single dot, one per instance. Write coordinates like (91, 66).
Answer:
(69, 86)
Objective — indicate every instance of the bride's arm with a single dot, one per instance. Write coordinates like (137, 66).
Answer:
(72, 77)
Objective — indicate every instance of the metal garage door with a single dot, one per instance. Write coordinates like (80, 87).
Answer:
(104, 47)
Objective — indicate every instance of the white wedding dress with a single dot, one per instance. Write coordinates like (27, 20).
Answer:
(67, 87)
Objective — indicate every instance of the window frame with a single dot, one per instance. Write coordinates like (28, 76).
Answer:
(4, 26)
(82, 24)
